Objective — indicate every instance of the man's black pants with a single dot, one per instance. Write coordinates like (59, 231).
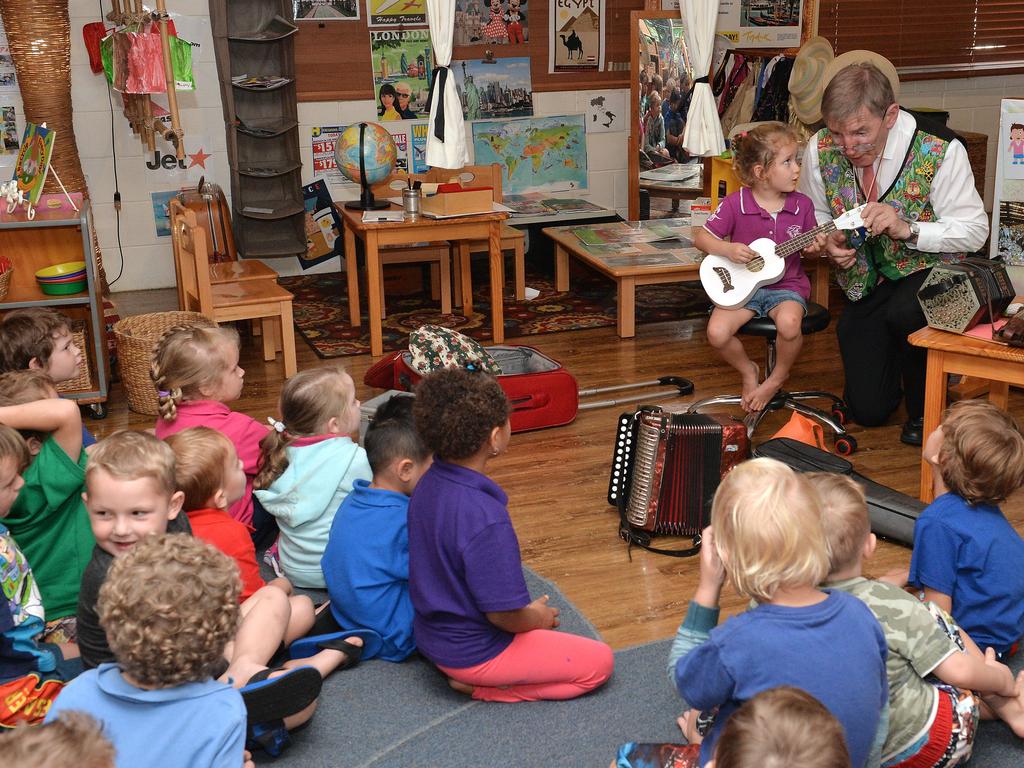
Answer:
(880, 365)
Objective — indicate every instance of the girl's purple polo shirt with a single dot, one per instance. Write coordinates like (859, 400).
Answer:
(740, 219)
(463, 563)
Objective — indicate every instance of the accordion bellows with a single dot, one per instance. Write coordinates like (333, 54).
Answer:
(667, 467)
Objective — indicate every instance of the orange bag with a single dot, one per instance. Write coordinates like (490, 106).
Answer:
(806, 430)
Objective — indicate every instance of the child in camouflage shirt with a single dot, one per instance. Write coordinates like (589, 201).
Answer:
(933, 667)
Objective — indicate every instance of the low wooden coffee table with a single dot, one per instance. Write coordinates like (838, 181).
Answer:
(653, 265)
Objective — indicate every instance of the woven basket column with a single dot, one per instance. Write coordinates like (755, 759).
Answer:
(39, 34)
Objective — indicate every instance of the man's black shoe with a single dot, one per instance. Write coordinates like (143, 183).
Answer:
(913, 432)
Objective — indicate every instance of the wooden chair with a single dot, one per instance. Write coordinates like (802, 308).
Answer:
(262, 300)
(437, 253)
(511, 238)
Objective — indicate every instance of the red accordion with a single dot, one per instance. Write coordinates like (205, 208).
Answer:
(666, 468)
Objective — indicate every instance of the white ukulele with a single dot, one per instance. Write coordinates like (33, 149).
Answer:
(730, 285)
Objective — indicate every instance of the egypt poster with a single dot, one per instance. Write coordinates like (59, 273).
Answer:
(576, 35)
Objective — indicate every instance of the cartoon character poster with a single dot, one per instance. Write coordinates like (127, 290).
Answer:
(576, 35)
(1008, 204)
(393, 13)
(323, 225)
(402, 63)
(491, 22)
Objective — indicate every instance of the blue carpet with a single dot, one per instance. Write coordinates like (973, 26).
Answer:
(384, 715)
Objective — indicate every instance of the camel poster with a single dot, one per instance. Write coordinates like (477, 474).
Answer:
(576, 39)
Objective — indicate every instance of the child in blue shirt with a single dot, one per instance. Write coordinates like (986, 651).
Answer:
(366, 564)
(766, 535)
(967, 557)
(169, 606)
(308, 465)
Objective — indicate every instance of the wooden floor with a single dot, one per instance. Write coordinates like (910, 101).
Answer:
(557, 479)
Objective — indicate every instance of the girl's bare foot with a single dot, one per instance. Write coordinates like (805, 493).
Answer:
(750, 380)
(762, 395)
(461, 687)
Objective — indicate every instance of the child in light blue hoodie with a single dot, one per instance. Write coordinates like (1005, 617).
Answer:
(308, 465)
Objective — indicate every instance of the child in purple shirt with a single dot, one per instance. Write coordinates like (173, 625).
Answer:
(765, 159)
(473, 616)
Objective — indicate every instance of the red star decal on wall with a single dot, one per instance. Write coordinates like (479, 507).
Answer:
(199, 158)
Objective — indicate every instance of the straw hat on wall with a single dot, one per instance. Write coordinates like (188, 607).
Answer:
(807, 79)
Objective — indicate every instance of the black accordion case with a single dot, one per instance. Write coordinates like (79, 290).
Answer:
(892, 513)
(957, 297)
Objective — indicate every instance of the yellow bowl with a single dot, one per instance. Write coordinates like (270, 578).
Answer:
(60, 270)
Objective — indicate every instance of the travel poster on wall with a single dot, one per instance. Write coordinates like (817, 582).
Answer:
(10, 129)
(576, 35)
(418, 150)
(34, 160)
(400, 134)
(760, 23)
(402, 63)
(494, 88)
(325, 10)
(323, 225)
(491, 22)
(162, 211)
(393, 13)
(1008, 205)
(325, 139)
(538, 154)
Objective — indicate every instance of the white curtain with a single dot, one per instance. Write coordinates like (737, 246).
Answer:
(449, 151)
(703, 134)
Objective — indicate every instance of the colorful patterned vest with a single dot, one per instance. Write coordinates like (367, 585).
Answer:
(882, 255)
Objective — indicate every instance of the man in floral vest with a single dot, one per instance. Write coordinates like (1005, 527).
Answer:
(922, 209)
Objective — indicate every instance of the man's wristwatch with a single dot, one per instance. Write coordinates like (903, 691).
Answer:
(915, 232)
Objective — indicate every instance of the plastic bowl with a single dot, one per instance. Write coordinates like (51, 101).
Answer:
(62, 289)
(61, 270)
(69, 279)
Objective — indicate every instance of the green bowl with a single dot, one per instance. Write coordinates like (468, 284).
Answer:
(62, 289)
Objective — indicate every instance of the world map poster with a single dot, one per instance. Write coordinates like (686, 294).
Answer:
(546, 154)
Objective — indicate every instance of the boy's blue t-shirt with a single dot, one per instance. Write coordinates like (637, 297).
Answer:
(834, 650)
(366, 567)
(193, 724)
(976, 557)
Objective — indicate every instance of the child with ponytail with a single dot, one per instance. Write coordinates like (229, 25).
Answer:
(309, 465)
(196, 373)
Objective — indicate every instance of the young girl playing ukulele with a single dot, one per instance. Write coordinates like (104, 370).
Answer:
(765, 160)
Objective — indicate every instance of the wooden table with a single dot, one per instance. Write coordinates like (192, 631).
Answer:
(484, 226)
(953, 353)
(651, 267)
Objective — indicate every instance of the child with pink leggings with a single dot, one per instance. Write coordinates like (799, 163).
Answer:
(473, 615)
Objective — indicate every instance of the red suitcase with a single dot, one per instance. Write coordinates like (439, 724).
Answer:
(541, 392)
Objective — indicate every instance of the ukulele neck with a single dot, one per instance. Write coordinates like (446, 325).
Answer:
(803, 240)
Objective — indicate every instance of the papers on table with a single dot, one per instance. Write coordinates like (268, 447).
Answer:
(385, 215)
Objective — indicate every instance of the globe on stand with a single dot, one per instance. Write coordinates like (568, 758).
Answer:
(366, 154)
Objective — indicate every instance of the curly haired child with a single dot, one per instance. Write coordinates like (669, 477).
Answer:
(366, 563)
(967, 557)
(768, 205)
(473, 617)
(932, 668)
(766, 537)
(31, 671)
(169, 607)
(308, 465)
(48, 518)
(196, 373)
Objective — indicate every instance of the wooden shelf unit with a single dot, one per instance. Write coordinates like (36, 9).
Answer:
(56, 236)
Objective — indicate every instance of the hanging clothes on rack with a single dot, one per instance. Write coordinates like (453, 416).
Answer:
(774, 101)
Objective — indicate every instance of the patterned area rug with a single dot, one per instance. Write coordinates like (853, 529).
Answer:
(321, 310)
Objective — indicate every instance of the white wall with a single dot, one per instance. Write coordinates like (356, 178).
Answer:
(973, 105)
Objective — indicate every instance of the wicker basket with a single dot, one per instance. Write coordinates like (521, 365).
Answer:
(5, 282)
(135, 337)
